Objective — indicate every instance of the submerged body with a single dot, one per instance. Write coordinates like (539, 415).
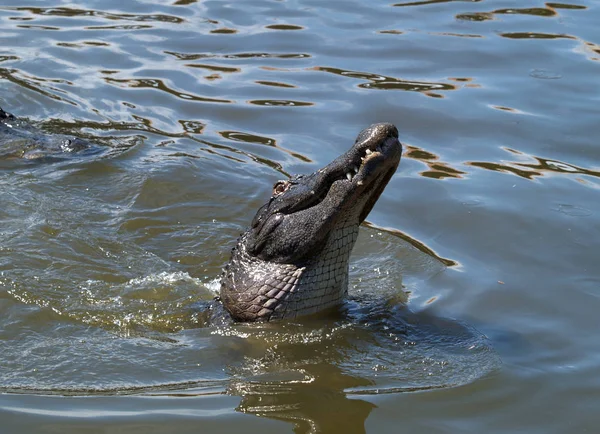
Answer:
(19, 139)
(293, 260)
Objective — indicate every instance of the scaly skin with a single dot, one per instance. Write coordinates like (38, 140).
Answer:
(293, 260)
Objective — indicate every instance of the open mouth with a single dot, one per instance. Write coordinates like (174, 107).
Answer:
(369, 158)
(371, 161)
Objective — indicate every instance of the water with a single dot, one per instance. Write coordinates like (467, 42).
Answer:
(474, 287)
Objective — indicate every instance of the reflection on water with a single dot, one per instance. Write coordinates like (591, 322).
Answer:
(35, 84)
(272, 102)
(72, 12)
(376, 81)
(530, 35)
(540, 12)
(187, 56)
(415, 243)
(437, 169)
(398, 351)
(159, 85)
(538, 167)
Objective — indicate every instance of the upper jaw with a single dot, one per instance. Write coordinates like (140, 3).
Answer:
(330, 196)
(376, 150)
(374, 158)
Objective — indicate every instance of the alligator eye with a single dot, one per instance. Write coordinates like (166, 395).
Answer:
(280, 187)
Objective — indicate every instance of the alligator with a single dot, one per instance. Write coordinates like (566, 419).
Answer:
(19, 139)
(293, 259)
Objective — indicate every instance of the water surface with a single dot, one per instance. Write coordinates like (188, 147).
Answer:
(474, 286)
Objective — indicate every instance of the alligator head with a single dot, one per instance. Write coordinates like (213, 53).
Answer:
(293, 260)
(19, 139)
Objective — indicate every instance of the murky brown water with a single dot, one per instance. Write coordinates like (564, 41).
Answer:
(109, 260)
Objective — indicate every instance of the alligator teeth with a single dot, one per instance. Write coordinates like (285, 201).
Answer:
(355, 169)
(369, 152)
(349, 176)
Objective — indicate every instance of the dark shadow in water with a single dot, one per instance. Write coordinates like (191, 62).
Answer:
(312, 374)
(313, 407)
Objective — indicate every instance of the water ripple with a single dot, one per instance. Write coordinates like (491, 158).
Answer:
(153, 83)
(37, 84)
(382, 82)
(538, 12)
(437, 169)
(73, 12)
(533, 35)
(537, 168)
(257, 55)
(280, 102)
